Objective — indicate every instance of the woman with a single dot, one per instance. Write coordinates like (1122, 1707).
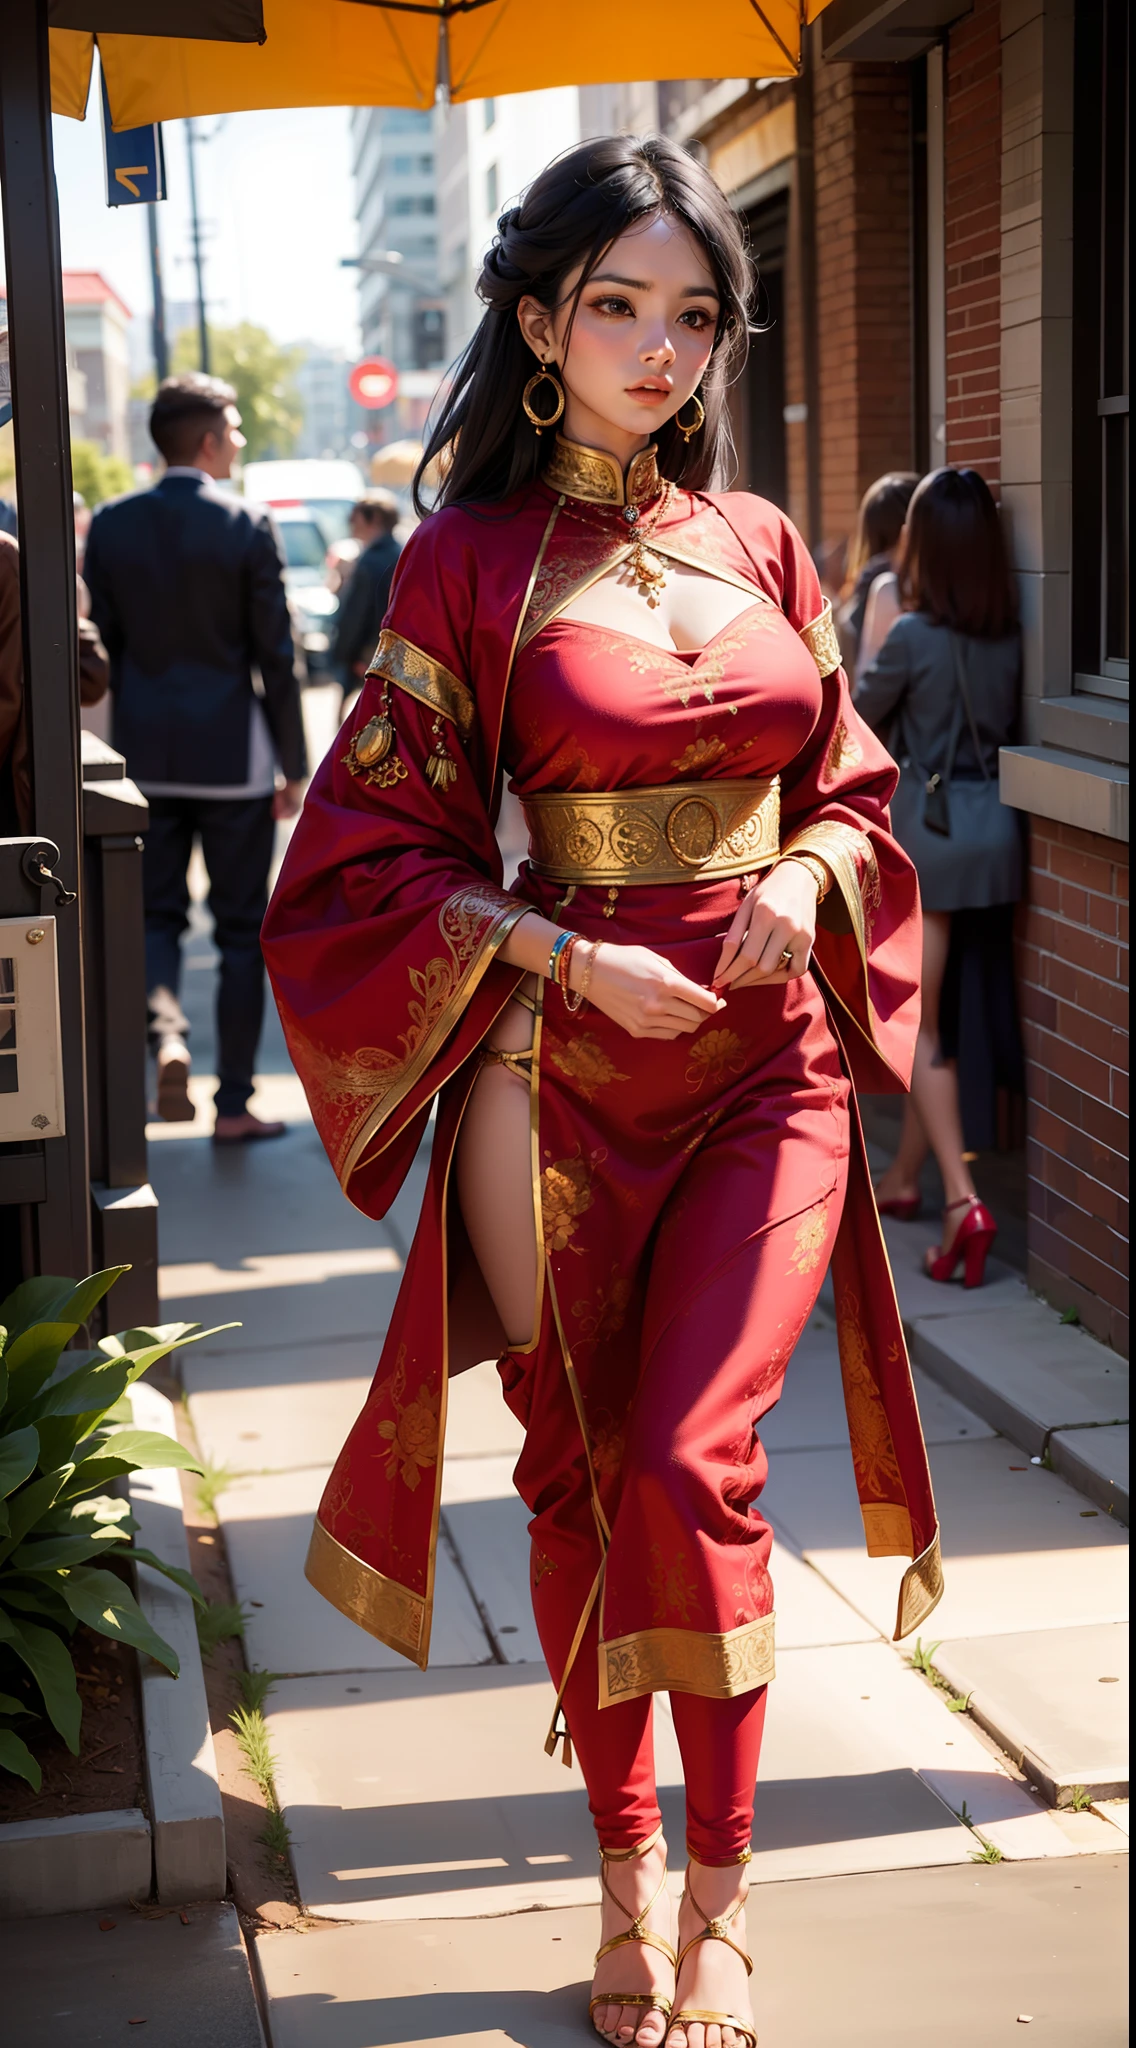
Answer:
(869, 607)
(947, 682)
(645, 1108)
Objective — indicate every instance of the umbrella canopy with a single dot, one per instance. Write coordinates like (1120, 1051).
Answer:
(396, 463)
(396, 52)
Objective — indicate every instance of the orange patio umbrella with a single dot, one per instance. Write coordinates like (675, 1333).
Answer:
(222, 56)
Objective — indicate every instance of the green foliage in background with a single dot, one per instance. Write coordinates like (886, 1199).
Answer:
(98, 476)
(66, 1437)
(262, 374)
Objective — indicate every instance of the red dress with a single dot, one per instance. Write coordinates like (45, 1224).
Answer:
(689, 1194)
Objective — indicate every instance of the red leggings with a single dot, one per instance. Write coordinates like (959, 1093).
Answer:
(720, 1742)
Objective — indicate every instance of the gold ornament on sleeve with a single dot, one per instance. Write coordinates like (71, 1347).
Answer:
(820, 638)
(441, 768)
(369, 754)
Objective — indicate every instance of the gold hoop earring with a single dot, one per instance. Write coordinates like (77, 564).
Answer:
(688, 433)
(543, 376)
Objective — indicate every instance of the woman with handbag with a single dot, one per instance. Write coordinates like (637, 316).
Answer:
(947, 681)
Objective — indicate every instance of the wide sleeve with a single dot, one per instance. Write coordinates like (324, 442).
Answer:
(382, 936)
(834, 803)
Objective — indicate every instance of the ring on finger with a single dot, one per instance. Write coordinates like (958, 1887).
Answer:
(786, 959)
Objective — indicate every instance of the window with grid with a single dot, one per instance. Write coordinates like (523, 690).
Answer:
(1100, 348)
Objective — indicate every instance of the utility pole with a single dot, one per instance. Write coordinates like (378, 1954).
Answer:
(191, 140)
(158, 330)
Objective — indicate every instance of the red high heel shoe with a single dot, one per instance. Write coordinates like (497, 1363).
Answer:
(905, 1208)
(971, 1242)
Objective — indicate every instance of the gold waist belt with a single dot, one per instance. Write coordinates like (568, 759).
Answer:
(681, 832)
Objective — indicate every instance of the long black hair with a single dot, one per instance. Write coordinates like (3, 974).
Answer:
(953, 563)
(572, 213)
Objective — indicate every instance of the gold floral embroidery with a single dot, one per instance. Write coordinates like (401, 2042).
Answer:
(672, 1590)
(844, 752)
(714, 1055)
(811, 1233)
(873, 1452)
(566, 571)
(542, 1565)
(605, 1314)
(349, 1089)
(754, 1593)
(584, 1062)
(700, 754)
(565, 1196)
(718, 1666)
(413, 1435)
(607, 1446)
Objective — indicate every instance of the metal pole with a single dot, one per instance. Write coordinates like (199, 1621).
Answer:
(47, 577)
(191, 139)
(806, 245)
(160, 341)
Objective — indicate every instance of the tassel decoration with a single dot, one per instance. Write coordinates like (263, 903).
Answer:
(441, 768)
(370, 753)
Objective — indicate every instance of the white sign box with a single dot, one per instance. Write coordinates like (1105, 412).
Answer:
(31, 1055)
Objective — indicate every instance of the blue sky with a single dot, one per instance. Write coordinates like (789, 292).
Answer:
(276, 192)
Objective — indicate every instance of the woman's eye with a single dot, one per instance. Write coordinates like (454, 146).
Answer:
(615, 307)
(696, 318)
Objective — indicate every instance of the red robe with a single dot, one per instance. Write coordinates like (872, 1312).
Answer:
(382, 944)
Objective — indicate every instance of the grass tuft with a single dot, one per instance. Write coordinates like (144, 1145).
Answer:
(255, 1745)
(924, 1659)
(212, 1482)
(1080, 1800)
(987, 1854)
(217, 1623)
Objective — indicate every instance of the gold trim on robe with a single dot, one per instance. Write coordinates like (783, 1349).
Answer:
(676, 832)
(597, 478)
(405, 665)
(820, 638)
(921, 1589)
(716, 1667)
(851, 857)
(388, 1611)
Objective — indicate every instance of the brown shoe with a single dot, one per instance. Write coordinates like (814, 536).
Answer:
(174, 1104)
(245, 1129)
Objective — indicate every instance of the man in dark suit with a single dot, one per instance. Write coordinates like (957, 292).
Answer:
(187, 591)
(362, 607)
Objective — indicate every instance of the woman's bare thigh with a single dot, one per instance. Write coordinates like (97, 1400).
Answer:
(494, 1176)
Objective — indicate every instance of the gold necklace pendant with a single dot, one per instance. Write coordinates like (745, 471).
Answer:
(649, 573)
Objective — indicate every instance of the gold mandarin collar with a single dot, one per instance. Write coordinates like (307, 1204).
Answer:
(588, 473)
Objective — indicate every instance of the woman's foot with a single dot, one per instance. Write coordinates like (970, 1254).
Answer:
(635, 1966)
(712, 1977)
(969, 1231)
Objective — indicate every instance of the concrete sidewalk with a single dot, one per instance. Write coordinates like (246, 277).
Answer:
(426, 1800)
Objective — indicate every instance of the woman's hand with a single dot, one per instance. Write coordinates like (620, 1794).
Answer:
(775, 917)
(642, 992)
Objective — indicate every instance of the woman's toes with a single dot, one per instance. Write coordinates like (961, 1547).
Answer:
(652, 2028)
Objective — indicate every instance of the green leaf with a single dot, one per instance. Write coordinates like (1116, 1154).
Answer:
(15, 1756)
(19, 1455)
(104, 1603)
(39, 1598)
(102, 1508)
(49, 1661)
(49, 1553)
(10, 1706)
(32, 1359)
(27, 1506)
(128, 1450)
(94, 1383)
(181, 1578)
(51, 1299)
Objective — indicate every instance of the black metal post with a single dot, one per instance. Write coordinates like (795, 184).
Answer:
(191, 140)
(806, 245)
(160, 341)
(47, 575)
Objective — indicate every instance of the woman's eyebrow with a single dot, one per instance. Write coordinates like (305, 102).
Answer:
(642, 284)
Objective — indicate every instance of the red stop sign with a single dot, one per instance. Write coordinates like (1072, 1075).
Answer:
(373, 382)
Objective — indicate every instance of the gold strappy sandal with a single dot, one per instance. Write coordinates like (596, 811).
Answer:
(714, 1930)
(637, 1931)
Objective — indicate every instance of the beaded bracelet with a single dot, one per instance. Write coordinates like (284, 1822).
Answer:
(575, 1001)
(564, 966)
(559, 945)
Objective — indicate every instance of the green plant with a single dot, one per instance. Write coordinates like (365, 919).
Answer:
(924, 1659)
(256, 1748)
(211, 1481)
(218, 1621)
(1070, 1315)
(1080, 1800)
(987, 1854)
(262, 374)
(97, 476)
(66, 1437)
(960, 1704)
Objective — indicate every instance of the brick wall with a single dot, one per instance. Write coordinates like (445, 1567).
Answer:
(863, 205)
(973, 210)
(1073, 964)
